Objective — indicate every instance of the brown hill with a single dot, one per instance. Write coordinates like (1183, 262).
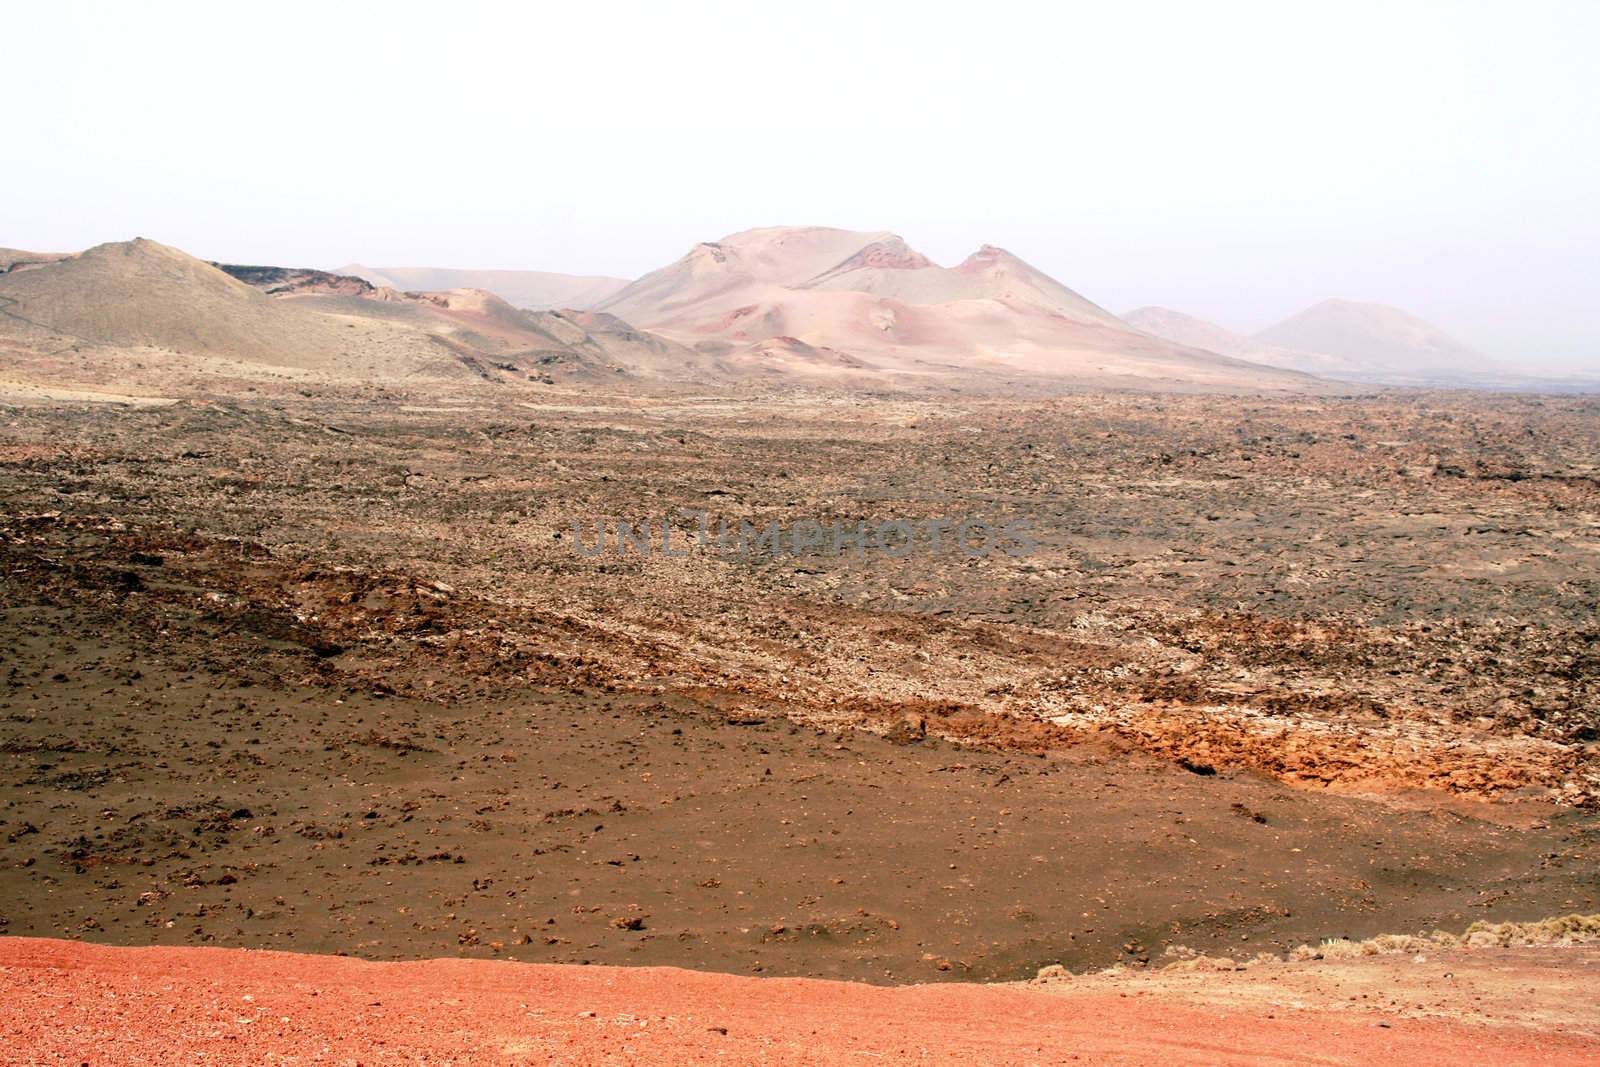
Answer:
(494, 337)
(143, 294)
(870, 295)
(97, 316)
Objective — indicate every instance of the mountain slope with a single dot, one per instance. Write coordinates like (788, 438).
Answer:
(766, 263)
(534, 289)
(816, 306)
(1345, 340)
(140, 305)
(1183, 329)
(988, 274)
(16, 259)
(1378, 341)
(871, 296)
(143, 294)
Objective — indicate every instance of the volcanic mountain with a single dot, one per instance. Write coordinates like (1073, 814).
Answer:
(141, 294)
(1376, 341)
(185, 316)
(873, 297)
(538, 290)
(818, 307)
(1338, 339)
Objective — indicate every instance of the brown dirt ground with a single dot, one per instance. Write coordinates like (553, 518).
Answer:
(321, 674)
(316, 674)
(176, 776)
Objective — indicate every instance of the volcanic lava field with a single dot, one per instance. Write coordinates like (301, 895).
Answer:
(325, 674)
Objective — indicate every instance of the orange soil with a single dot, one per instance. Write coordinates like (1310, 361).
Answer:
(68, 1002)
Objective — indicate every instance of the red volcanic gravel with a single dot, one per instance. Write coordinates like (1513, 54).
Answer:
(66, 1002)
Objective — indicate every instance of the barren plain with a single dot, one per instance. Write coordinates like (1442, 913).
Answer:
(325, 673)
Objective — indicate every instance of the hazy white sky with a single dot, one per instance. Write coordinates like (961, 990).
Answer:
(1234, 160)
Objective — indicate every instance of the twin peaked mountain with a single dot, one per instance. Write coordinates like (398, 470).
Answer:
(820, 299)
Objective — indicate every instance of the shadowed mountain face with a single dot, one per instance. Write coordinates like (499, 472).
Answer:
(538, 290)
(870, 295)
(281, 281)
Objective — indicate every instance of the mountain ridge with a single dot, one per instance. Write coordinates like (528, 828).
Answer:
(228, 320)
(812, 305)
(1339, 338)
(873, 296)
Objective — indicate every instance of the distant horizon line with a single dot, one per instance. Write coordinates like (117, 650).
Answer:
(1555, 368)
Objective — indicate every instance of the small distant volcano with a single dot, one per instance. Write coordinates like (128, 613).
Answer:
(1338, 339)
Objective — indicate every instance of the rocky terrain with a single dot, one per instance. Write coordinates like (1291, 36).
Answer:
(323, 636)
(330, 675)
